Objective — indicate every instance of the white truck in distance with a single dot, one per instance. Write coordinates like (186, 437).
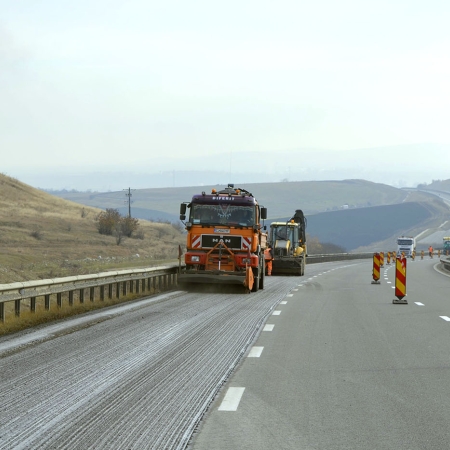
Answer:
(406, 245)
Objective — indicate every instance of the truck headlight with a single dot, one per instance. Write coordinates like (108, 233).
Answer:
(195, 258)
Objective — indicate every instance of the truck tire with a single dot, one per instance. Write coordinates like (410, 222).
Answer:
(257, 277)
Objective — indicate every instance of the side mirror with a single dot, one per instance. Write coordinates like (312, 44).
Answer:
(182, 217)
(263, 213)
(182, 209)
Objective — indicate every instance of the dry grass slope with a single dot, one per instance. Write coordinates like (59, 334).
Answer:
(43, 236)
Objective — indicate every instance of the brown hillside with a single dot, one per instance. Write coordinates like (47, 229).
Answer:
(42, 236)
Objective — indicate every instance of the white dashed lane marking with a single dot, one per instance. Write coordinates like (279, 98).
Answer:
(419, 304)
(268, 327)
(276, 313)
(232, 399)
(255, 352)
(447, 319)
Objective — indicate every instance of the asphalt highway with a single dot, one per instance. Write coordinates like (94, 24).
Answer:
(324, 361)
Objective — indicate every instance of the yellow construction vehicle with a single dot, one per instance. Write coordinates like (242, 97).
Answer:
(288, 245)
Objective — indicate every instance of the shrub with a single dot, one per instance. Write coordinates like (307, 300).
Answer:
(128, 225)
(107, 221)
(111, 223)
(36, 234)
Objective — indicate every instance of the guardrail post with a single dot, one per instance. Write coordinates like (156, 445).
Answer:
(47, 302)
(91, 294)
(149, 283)
(138, 286)
(70, 298)
(81, 295)
(17, 308)
(33, 304)
(102, 293)
(110, 291)
(2, 312)
(124, 288)
(118, 290)
(59, 299)
(131, 286)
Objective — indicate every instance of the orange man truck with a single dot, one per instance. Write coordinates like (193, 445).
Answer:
(225, 239)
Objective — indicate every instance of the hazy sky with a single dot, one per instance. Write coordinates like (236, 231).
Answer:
(105, 84)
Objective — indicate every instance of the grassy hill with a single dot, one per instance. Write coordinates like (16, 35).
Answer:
(364, 229)
(280, 198)
(373, 212)
(43, 236)
(353, 228)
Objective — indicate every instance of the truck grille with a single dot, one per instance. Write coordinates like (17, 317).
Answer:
(232, 242)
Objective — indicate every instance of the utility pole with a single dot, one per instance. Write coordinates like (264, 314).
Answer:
(129, 194)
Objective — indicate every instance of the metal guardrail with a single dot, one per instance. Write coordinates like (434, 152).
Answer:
(105, 284)
(314, 259)
(445, 261)
(115, 284)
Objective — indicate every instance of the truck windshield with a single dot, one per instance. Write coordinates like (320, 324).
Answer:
(405, 242)
(222, 214)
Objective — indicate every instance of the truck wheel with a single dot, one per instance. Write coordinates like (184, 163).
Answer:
(257, 277)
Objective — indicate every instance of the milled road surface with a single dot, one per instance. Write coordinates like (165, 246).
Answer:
(138, 379)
